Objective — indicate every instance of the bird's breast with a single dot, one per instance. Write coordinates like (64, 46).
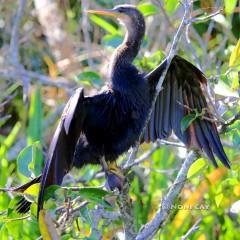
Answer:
(114, 121)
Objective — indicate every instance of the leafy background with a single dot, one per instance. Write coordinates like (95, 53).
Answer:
(29, 114)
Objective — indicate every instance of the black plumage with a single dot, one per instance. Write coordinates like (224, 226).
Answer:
(109, 123)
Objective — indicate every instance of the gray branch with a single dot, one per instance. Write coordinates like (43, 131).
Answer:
(17, 74)
(14, 44)
(192, 230)
(150, 229)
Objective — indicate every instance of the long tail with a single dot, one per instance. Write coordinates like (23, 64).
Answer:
(23, 205)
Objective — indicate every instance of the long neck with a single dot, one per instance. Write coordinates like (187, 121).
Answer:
(124, 55)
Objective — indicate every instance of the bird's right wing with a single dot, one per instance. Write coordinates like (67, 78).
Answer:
(62, 147)
(183, 94)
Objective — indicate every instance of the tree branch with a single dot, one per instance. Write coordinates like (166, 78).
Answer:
(16, 73)
(229, 122)
(150, 229)
(192, 230)
(14, 44)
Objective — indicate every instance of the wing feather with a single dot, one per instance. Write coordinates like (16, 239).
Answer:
(182, 94)
(62, 147)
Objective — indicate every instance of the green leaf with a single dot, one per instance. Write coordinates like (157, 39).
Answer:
(148, 9)
(196, 167)
(171, 6)
(35, 117)
(89, 78)
(235, 125)
(93, 194)
(23, 161)
(103, 24)
(235, 56)
(49, 192)
(112, 40)
(229, 6)
(37, 158)
(236, 137)
(7, 143)
(187, 120)
(85, 214)
(89, 192)
(218, 199)
(30, 160)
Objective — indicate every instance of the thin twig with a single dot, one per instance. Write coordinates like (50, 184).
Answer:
(16, 74)
(192, 230)
(147, 154)
(205, 18)
(229, 122)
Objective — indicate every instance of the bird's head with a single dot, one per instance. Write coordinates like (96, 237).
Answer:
(128, 15)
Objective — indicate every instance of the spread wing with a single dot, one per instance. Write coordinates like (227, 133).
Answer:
(62, 147)
(181, 95)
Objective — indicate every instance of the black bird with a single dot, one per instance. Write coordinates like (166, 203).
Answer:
(99, 128)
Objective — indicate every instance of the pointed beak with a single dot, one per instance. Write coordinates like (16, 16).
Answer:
(105, 12)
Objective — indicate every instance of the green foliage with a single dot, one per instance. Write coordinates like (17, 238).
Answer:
(187, 120)
(104, 24)
(229, 6)
(196, 168)
(88, 78)
(148, 9)
(171, 6)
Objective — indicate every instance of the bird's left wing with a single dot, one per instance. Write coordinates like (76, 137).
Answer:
(62, 147)
(182, 94)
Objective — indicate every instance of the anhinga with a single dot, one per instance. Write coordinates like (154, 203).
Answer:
(107, 124)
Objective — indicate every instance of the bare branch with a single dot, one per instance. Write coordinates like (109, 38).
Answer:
(16, 74)
(14, 44)
(14, 47)
(206, 18)
(85, 28)
(192, 230)
(147, 154)
(150, 229)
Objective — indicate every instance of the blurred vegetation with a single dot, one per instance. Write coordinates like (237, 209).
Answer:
(27, 121)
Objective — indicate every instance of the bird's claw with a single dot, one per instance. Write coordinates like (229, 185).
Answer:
(115, 177)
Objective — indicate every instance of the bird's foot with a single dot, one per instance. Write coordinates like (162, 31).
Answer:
(115, 177)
